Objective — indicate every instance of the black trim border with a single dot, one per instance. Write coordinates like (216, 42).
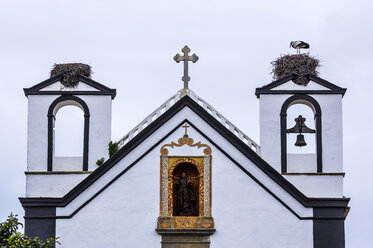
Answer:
(101, 89)
(228, 135)
(267, 89)
(283, 127)
(328, 228)
(36, 223)
(51, 118)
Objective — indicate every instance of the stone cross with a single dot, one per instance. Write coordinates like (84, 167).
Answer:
(186, 58)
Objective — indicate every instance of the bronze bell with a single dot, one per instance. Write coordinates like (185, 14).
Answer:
(300, 141)
(300, 127)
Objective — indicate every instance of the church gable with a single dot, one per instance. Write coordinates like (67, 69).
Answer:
(286, 85)
(85, 86)
(186, 171)
(169, 122)
(137, 192)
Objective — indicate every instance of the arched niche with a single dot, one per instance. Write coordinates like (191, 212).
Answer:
(194, 173)
(57, 104)
(314, 105)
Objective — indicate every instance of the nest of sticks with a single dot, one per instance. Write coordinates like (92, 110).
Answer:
(298, 64)
(70, 73)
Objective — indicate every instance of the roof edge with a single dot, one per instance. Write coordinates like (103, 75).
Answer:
(267, 89)
(233, 139)
(103, 90)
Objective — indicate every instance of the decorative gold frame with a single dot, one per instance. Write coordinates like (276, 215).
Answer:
(171, 167)
(167, 166)
(185, 141)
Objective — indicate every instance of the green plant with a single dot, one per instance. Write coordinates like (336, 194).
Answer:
(11, 238)
(100, 161)
(113, 148)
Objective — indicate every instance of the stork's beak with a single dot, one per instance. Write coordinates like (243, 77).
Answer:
(290, 44)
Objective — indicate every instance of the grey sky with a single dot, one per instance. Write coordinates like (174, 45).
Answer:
(130, 45)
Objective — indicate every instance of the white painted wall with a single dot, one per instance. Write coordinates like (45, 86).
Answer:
(55, 185)
(99, 127)
(125, 214)
(331, 122)
(57, 86)
(37, 132)
(37, 144)
(301, 162)
(247, 216)
(270, 132)
(332, 144)
(318, 186)
(67, 163)
(290, 85)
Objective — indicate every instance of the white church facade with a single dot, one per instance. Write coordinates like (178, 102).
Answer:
(186, 176)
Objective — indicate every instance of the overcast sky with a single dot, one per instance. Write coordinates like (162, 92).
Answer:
(130, 45)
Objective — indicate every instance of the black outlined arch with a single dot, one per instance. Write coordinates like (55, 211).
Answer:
(53, 108)
(314, 105)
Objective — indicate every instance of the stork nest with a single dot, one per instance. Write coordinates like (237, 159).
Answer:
(70, 73)
(298, 64)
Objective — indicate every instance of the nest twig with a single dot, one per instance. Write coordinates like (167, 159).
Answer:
(298, 64)
(70, 73)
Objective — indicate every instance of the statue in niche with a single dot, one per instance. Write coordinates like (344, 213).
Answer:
(185, 197)
(186, 191)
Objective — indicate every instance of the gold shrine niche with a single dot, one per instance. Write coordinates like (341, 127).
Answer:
(185, 195)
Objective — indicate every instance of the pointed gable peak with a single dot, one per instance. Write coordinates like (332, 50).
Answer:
(85, 86)
(286, 85)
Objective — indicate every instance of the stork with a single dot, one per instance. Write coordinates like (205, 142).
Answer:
(299, 45)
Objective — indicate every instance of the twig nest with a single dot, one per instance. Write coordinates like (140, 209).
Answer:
(70, 73)
(298, 64)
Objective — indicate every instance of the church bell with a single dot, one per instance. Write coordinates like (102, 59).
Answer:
(300, 128)
(300, 141)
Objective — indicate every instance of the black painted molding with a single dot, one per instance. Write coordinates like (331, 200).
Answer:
(328, 228)
(150, 129)
(102, 89)
(39, 222)
(267, 89)
(283, 127)
(51, 118)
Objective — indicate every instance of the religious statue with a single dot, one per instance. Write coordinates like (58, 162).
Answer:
(185, 197)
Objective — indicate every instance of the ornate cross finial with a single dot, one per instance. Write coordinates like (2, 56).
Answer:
(186, 58)
(186, 130)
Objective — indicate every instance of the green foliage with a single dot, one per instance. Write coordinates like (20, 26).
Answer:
(11, 238)
(100, 161)
(113, 148)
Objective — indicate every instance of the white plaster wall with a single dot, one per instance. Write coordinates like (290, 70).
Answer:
(332, 135)
(55, 185)
(247, 216)
(57, 86)
(99, 127)
(125, 214)
(37, 144)
(301, 162)
(270, 132)
(67, 163)
(37, 132)
(318, 186)
(290, 85)
(156, 136)
(99, 130)
(331, 122)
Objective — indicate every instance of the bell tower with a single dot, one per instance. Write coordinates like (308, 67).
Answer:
(50, 175)
(308, 151)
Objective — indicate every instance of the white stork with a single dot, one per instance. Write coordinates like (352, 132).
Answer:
(299, 45)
